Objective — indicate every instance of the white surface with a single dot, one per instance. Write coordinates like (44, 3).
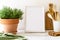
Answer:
(39, 36)
(35, 19)
(42, 38)
(56, 25)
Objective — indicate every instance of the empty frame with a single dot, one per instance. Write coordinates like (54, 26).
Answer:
(35, 19)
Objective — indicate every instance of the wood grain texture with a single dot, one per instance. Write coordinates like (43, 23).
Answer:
(52, 33)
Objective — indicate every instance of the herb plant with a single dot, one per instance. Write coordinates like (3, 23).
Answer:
(9, 13)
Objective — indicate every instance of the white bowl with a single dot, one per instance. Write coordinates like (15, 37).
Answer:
(56, 25)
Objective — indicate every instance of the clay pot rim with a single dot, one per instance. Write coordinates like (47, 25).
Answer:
(0, 18)
(9, 21)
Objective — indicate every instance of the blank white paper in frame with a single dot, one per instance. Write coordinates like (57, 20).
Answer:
(35, 19)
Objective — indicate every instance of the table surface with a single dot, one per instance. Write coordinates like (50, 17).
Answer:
(39, 36)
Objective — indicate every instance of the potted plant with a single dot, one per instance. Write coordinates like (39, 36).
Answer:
(9, 18)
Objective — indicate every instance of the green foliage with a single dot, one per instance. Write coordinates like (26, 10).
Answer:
(9, 13)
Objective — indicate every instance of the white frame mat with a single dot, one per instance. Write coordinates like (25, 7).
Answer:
(35, 19)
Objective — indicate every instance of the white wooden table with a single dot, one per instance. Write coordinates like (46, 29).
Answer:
(39, 36)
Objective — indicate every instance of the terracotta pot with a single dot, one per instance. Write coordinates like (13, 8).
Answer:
(9, 25)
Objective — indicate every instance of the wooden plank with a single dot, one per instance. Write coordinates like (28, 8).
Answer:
(52, 33)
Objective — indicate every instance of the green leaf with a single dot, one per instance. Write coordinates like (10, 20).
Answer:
(9, 13)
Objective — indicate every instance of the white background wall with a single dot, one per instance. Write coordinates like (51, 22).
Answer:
(20, 4)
